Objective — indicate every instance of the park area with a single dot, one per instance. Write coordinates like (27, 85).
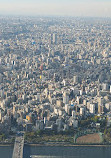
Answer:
(90, 138)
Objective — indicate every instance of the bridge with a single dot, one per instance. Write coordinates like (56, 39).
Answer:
(18, 147)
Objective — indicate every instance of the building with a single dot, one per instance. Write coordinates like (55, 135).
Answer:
(92, 108)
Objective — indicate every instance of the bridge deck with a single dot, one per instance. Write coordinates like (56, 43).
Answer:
(18, 147)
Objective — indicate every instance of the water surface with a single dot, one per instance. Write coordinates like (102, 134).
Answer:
(67, 152)
(6, 151)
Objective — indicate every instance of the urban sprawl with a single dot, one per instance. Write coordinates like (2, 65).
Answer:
(55, 74)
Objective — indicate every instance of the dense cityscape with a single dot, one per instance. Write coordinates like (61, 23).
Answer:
(55, 78)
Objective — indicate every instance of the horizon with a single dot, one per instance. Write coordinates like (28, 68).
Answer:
(73, 8)
(53, 16)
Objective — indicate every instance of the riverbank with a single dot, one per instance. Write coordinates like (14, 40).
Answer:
(68, 145)
(57, 144)
(6, 144)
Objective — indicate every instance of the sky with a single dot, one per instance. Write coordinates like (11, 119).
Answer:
(88, 8)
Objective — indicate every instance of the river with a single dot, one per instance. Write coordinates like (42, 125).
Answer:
(68, 152)
(6, 151)
(59, 152)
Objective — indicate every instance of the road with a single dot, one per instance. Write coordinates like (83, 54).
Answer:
(18, 147)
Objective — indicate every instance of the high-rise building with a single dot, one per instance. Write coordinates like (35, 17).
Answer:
(65, 98)
(92, 108)
(75, 79)
(53, 38)
(110, 88)
(100, 105)
(82, 111)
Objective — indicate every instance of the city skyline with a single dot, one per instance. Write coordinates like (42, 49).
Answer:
(82, 8)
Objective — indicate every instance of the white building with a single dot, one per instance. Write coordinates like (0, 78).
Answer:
(82, 111)
(92, 108)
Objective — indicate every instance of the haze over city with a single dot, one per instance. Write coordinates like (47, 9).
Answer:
(88, 8)
(55, 78)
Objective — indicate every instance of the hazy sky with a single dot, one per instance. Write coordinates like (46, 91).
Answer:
(97, 8)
